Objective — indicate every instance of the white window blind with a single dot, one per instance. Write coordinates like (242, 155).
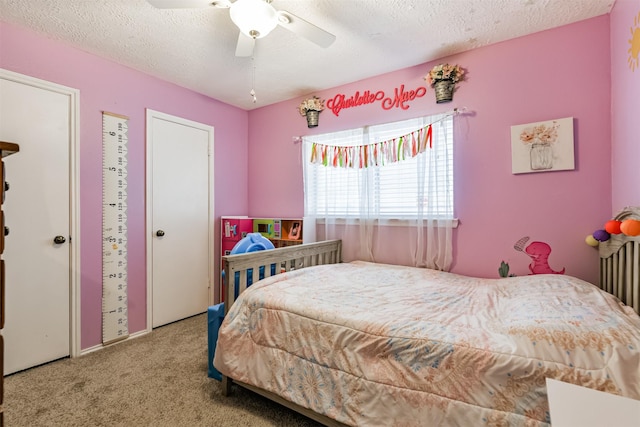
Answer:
(419, 187)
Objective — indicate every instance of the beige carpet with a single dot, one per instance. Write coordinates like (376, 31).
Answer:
(159, 379)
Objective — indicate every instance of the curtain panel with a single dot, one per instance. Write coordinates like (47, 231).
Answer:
(383, 184)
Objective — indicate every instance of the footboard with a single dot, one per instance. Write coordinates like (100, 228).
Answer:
(275, 261)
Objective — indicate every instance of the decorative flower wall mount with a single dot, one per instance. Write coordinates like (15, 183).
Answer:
(311, 109)
(443, 78)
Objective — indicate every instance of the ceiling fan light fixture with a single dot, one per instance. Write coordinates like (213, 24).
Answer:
(283, 18)
(255, 18)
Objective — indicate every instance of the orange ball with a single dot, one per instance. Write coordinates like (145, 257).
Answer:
(613, 226)
(630, 227)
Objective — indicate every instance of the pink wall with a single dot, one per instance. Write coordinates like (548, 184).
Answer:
(106, 86)
(558, 73)
(625, 104)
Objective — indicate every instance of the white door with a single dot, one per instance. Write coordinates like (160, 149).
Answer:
(37, 209)
(179, 229)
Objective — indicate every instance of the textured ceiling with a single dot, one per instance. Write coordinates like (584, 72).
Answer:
(195, 48)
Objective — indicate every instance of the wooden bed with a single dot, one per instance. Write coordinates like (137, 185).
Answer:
(455, 375)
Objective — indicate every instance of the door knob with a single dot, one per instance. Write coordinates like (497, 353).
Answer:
(58, 240)
(159, 233)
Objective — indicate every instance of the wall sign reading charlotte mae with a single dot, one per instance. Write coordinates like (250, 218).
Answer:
(399, 99)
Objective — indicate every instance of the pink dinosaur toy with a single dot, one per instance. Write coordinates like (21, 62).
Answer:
(539, 253)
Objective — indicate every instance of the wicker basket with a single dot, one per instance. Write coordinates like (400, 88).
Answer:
(312, 118)
(444, 90)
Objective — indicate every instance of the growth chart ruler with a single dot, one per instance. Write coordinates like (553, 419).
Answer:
(115, 323)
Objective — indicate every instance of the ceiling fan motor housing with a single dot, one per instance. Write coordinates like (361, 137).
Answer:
(255, 18)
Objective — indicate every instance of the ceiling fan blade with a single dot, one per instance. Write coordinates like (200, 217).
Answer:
(305, 29)
(245, 45)
(187, 4)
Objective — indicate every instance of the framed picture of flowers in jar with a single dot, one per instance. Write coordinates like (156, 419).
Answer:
(542, 146)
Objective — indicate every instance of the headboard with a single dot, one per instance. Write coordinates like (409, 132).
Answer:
(620, 263)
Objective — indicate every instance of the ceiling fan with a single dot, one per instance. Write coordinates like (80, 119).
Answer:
(255, 19)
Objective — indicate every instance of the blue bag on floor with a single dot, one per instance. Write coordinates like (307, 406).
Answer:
(215, 314)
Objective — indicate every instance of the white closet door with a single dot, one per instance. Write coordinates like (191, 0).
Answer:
(180, 217)
(37, 209)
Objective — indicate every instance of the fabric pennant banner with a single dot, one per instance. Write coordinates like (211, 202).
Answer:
(378, 154)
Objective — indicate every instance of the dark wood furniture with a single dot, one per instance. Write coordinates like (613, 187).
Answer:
(6, 148)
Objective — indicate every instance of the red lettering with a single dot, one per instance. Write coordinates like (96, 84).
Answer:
(335, 104)
(400, 99)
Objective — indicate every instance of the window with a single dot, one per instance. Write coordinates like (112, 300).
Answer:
(418, 187)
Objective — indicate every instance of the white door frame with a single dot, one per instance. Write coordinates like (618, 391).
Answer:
(151, 114)
(74, 197)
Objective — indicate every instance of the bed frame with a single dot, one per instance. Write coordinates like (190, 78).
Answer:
(285, 259)
(619, 275)
(620, 263)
